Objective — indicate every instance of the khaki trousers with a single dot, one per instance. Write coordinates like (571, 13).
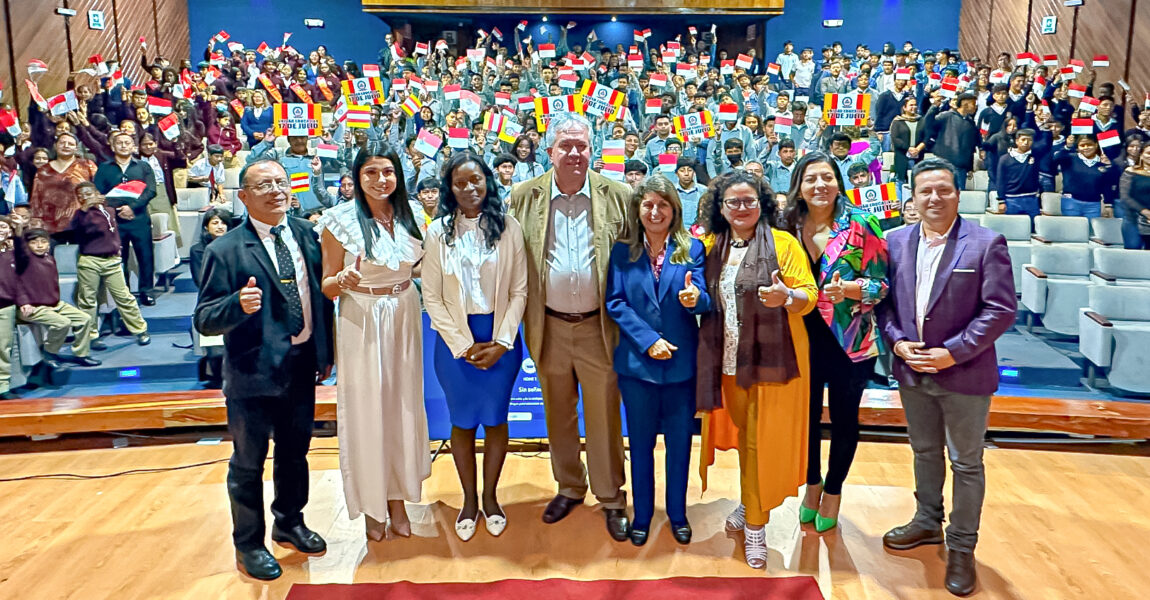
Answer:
(91, 271)
(7, 335)
(162, 204)
(573, 358)
(60, 320)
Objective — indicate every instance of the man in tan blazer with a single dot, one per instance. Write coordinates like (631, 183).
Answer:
(571, 217)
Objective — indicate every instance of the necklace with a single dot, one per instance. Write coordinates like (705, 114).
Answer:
(739, 243)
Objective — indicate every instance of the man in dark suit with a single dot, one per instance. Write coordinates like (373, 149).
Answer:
(260, 289)
(951, 296)
(131, 210)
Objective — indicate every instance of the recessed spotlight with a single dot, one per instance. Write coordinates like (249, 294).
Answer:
(613, 18)
(544, 18)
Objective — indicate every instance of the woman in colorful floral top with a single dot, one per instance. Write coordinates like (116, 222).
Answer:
(848, 257)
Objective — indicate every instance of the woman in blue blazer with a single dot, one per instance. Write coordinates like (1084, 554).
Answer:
(652, 294)
(257, 118)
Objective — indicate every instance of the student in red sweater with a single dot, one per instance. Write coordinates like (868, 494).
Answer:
(38, 296)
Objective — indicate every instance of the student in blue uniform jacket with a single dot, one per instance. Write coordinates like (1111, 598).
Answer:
(655, 288)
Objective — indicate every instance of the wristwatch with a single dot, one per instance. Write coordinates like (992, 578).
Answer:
(790, 298)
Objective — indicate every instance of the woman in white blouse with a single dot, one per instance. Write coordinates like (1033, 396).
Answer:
(475, 290)
(371, 251)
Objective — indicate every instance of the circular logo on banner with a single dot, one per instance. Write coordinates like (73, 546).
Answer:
(847, 101)
(558, 104)
(361, 86)
(528, 366)
(601, 93)
(871, 195)
(297, 112)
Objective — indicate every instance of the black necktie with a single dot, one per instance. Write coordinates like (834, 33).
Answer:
(288, 283)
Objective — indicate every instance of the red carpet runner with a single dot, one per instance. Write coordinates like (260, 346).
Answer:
(676, 588)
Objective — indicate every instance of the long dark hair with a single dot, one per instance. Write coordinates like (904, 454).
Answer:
(515, 149)
(796, 210)
(716, 222)
(224, 214)
(398, 199)
(491, 216)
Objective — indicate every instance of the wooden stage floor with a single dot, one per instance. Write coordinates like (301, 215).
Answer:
(1056, 525)
(1104, 418)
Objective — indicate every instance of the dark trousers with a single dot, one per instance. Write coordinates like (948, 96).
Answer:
(288, 420)
(845, 381)
(138, 237)
(651, 408)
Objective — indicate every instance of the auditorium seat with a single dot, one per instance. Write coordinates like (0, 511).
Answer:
(1016, 230)
(1114, 334)
(192, 198)
(972, 202)
(1051, 203)
(1106, 232)
(166, 256)
(190, 228)
(979, 181)
(1120, 267)
(1058, 183)
(232, 178)
(66, 256)
(887, 162)
(1055, 284)
(1061, 230)
(242, 157)
(281, 143)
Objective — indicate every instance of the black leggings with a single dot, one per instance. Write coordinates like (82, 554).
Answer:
(845, 381)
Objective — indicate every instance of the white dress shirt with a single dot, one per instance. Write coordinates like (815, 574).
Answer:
(930, 249)
(571, 284)
(301, 278)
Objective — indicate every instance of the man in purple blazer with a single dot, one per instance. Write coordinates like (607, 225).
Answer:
(952, 295)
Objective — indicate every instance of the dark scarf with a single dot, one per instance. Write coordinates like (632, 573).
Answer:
(766, 353)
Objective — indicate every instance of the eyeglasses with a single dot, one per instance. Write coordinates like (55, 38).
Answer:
(270, 186)
(737, 203)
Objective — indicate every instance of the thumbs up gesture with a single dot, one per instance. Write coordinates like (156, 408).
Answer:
(251, 297)
(689, 295)
(774, 295)
(834, 290)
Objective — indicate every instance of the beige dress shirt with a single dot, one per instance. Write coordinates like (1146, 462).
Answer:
(571, 283)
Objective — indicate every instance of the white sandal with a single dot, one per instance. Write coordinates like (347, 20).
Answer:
(755, 547)
(495, 523)
(465, 529)
(737, 519)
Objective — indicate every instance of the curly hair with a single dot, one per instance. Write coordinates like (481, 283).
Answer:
(709, 205)
(491, 216)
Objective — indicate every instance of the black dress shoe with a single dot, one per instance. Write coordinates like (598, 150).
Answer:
(682, 533)
(97, 345)
(638, 537)
(299, 536)
(147, 300)
(558, 508)
(51, 361)
(910, 536)
(961, 577)
(85, 361)
(617, 524)
(259, 563)
(8, 396)
(144, 339)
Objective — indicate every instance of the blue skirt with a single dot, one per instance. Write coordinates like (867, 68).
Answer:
(476, 397)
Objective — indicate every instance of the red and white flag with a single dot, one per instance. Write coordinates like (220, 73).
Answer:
(1110, 138)
(1068, 73)
(457, 138)
(667, 162)
(646, 33)
(235, 47)
(60, 104)
(451, 92)
(568, 80)
(502, 98)
(691, 30)
(1077, 65)
(659, 80)
(97, 61)
(1089, 104)
(669, 57)
(498, 34)
(546, 50)
(949, 87)
(9, 122)
(222, 36)
(654, 106)
(427, 143)
(1101, 60)
(728, 112)
(323, 150)
(783, 126)
(638, 37)
(127, 191)
(675, 47)
(727, 67)
(521, 26)
(421, 48)
(1076, 91)
(743, 61)
(170, 126)
(37, 67)
(1050, 60)
(902, 74)
(635, 61)
(773, 69)
(1081, 126)
(159, 106)
(370, 70)
(1022, 59)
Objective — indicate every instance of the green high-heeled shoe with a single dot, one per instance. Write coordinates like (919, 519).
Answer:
(807, 515)
(824, 524)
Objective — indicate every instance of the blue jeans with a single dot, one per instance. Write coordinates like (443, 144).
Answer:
(1080, 208)
(1131, 239)
(803, 91)
(1023, 205)
(960, 175)
(885, 140)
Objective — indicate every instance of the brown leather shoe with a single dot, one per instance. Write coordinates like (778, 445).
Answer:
(961, 577)
(910, 536)
(558, 508)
